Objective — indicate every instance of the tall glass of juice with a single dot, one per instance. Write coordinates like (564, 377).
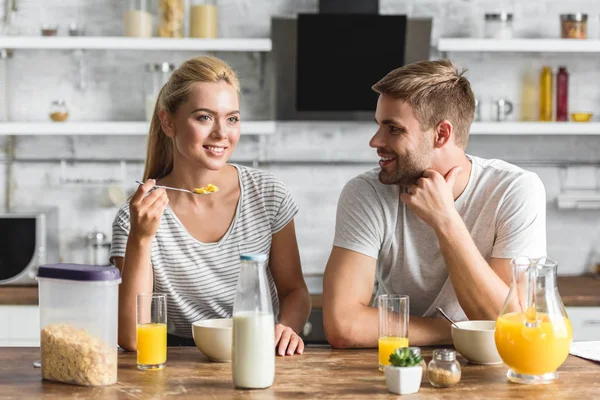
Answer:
(151, 330)
(393, 325)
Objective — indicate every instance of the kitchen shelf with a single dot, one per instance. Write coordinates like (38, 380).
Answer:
(535, 128)
(109, 128)
(519, 45)
(127, 43)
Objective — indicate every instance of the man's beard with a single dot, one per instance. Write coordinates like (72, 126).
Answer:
(406, 174)
(408, 169)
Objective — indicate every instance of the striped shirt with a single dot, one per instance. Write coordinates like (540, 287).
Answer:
(200, 279)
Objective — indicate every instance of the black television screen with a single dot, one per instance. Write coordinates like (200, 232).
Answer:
(340, 56)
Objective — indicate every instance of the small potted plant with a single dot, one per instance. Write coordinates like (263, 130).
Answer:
(404, 374)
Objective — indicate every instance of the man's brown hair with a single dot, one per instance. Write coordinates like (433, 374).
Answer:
(436, 91)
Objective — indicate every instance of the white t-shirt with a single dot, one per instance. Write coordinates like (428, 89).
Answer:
(200, 279)
(503, 207)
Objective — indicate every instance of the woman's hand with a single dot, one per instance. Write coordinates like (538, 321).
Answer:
(287, 342)
(146, 211)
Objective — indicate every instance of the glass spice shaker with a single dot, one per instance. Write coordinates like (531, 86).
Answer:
(443, 370)
(417, 352)
(59, 111)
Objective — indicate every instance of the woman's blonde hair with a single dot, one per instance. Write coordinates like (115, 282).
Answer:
(159, 155)
(436, 91)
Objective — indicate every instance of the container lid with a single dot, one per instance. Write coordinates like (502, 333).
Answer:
(503, 16)
(253, 257)
(578, 17)
(79, 272)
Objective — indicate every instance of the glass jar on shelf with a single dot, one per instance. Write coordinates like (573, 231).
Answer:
(171, 14)
(203, 19)
(573, 26)
(59, 111)
(156, 77)
(138, 19)
(443, 369)
(498, 25)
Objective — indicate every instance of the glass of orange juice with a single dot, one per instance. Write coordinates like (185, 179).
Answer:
(151, 330)
(393, 325)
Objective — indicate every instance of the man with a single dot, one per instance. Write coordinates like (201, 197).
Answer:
(432, 222)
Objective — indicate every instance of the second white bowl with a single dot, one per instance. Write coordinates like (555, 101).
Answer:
(475, 341)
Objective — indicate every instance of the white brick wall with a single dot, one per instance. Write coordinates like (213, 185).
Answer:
(115, 90)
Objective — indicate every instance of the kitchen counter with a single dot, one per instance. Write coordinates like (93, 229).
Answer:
(19, 295)
(579, 291)
(576, 291)
(319, 373)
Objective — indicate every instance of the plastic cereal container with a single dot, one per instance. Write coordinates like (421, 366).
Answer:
(78, 321)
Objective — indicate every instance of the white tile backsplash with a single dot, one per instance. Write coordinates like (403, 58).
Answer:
(313, 159)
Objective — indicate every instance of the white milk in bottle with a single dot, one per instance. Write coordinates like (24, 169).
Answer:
(253, 350)
(253, 354)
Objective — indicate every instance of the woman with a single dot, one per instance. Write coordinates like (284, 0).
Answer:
(188, 246)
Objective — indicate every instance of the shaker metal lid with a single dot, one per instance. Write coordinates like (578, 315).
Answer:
(253, 257)
(578, 17)
(503, 16)
(79, 272)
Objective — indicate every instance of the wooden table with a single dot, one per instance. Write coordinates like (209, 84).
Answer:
(319, 373)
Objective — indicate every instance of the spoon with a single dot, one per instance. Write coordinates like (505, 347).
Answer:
(178, 189)
(447, 317)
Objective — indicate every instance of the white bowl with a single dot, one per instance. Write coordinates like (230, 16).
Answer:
(214, 337)
(475, 341)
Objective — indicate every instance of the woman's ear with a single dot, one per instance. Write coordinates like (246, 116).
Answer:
(166, 123)
(443, 133)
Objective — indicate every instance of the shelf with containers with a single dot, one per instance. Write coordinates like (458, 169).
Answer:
(498, 37)
(142, 25)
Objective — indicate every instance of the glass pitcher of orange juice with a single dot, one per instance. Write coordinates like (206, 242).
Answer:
(533, 332)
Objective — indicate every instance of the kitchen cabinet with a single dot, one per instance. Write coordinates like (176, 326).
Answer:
(20, 326)
(585, 322)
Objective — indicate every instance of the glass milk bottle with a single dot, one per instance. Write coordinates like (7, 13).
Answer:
(253, 356)
(203, 19)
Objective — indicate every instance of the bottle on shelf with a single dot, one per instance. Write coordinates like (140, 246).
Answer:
(157, 76)
(546, 94)
(530, 95)
(562, 94)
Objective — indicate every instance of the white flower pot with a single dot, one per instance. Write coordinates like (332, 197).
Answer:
(403, 380)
